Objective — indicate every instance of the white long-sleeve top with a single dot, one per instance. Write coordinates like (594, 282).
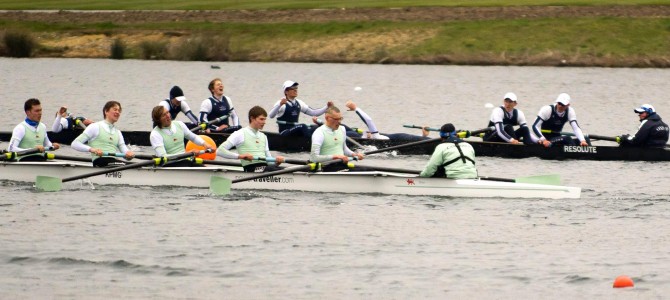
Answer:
(158, 144)
(278, 109)
(91, 132)
(545, 113)
(17, 135)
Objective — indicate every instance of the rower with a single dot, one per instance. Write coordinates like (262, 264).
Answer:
(177, 103)
(551, 118)
(104, 138)
(31, 133)
(218, 105)
(66, 121)
(329, 142)
(453, 158)
(251, 143)
(504, 118)
(652, 132)
(167, 136)
(288, 111)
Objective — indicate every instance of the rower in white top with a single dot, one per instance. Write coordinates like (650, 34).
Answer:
(288, 109)
(504, 118)
(177, 103)
(67, 121)
(167, 136)
(550, 121)
(31, 133)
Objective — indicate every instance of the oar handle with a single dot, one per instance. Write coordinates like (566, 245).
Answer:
(13, 155)
(203, 126)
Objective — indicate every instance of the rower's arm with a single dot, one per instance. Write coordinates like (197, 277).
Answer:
(235, 139)
(572, 116)
(58, 125)
(315, 153)
(277, 110)
(434, 163)
(311, 111)
(157, 143)
(372, 128)
(190, 135)
(187, 111)
(17, 135)
(234, 119)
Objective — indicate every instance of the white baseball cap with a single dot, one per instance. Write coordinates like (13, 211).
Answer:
(287, 84)
(563, 98)
(645, 108)
(511, 96)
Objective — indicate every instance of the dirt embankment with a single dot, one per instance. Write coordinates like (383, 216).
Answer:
(328, 15)
(351, 48)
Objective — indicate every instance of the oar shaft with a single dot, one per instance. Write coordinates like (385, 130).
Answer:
(221, 163)
(435, 140)
(65, 157)
(421, 127)
(386, 169)
(498, 179)
(105, 171)
(203, 126)
(287, 170)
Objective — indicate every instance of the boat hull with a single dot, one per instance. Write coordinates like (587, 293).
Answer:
(505, 150)
(339, 182)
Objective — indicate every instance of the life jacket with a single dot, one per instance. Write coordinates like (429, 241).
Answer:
(291, 115)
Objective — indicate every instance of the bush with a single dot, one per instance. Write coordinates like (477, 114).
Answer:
(203, 48)
(118, 49)
(153, 49)
(19, 44)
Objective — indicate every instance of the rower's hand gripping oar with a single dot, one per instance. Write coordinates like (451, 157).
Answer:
(52, 184)
(221, 186)
(14, 155)
(203, 126)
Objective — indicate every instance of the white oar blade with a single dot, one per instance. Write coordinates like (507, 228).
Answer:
(219, 185)
(550, 179)
(48, 184)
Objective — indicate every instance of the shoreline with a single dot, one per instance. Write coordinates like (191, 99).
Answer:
(412, 35)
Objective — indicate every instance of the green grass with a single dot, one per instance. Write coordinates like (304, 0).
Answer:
(290, 4)
(605, 36)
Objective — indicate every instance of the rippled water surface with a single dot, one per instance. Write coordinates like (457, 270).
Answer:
(144, 242)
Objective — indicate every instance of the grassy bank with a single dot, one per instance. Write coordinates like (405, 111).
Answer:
(562, 41)
(295, 4)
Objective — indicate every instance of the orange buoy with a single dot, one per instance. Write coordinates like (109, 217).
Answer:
(623, 281)
(208, 140)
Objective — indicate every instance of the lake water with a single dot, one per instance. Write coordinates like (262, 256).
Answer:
(143, 242)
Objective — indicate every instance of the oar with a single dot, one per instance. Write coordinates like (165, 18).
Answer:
(79, 123)
(52, 184)
(119, 154)
(50, 156)
(13, 155)
(551, 179)
(221, 186)
(461, 133)
(593, 136)
(403, 146)
(203, 126)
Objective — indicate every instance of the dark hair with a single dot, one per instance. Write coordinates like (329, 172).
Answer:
(109, 106)
(30, 103)
(156, 115)
(256, 111)
(211, 83)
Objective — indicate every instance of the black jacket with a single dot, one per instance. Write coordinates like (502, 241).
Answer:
(653, 132)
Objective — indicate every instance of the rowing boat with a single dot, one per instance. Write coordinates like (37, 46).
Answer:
(505, 150)
(375, 182)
